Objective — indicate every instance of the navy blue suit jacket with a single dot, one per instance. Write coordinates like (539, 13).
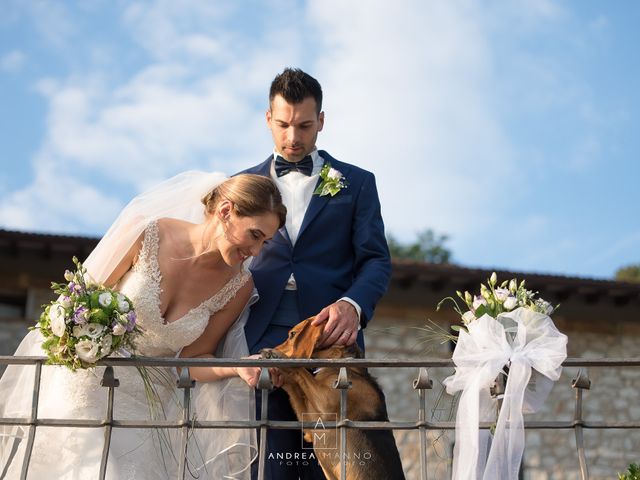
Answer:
(341, 251)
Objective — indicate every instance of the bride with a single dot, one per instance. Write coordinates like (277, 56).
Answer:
(182, 267)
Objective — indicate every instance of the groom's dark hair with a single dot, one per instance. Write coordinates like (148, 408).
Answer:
(295, 85)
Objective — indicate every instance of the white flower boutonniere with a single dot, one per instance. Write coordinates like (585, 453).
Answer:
(332, 181)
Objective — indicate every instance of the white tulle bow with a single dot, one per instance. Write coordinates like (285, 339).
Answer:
(522, 340)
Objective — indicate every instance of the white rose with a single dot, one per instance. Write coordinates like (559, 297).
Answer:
(468, 317)
(93, 330)
(68, 275)
(87, 351)
(334, 174)
(107, 341)
(502, 294)
(65, 301)
(123, 305)
(477, 301)
(105, 299)
(511, 302)
(119, 329)
(56, 316)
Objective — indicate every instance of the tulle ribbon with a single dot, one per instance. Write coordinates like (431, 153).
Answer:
(532, 347)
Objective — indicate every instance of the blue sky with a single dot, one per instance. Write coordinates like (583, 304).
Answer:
(510, 126)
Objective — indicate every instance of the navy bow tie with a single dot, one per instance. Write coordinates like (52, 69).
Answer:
(304, 166)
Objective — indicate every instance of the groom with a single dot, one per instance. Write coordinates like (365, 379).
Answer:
(330, 260)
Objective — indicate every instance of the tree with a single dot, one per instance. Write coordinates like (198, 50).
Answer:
(429, 247)
(630, 273)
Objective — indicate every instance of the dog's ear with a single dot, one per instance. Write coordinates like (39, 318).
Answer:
(308, 338)
(302, 340)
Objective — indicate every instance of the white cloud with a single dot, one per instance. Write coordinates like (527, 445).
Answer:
(169, 115)
(56, 201)
(13, 61)
(411, 100)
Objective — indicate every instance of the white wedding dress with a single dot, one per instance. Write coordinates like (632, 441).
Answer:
(75, 453)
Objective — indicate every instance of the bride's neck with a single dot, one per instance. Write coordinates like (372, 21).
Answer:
(202, 239)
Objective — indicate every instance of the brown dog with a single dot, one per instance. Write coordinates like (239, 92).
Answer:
(371, 454)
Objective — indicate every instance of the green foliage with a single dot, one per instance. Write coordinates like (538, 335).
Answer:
(632, 474)
(498, 298)
(429, 247)
(630, 273)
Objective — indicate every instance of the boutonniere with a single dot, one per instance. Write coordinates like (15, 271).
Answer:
(332, 181)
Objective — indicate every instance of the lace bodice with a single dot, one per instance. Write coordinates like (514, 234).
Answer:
(142, 284)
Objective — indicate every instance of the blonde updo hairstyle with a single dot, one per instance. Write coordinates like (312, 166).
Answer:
(251, 195)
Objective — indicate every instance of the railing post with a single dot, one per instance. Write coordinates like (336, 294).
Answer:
(422, 383)
(497, 390)
(187, 384)
(343, 384)
(32, 421)
(109, 381)
(580, 383)
(265, 386)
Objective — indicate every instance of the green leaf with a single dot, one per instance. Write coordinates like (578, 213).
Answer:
(481, 310)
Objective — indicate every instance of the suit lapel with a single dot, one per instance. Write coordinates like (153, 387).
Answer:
(318, 202)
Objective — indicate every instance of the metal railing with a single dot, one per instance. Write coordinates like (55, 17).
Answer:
(422, 384)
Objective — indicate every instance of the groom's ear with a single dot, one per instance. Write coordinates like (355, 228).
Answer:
(320, 121)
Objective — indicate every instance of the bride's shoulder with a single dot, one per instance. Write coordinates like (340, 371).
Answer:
(172, 226)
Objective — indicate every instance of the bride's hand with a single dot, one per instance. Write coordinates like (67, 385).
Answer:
(252, 374)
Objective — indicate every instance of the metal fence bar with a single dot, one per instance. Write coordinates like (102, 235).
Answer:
(294, 425)
(423, 383)
(580, 383)
(34, 416)
(343, 384)
(264, 385)
(278, 362)
(185, 383)
(289, 425)
(109, 381)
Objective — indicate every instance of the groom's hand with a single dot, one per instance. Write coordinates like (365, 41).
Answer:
(342, 324)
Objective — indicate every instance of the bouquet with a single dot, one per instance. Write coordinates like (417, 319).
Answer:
(506, 327)
(496, 299)
(86, 323)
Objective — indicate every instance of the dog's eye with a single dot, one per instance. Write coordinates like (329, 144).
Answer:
(292, 334)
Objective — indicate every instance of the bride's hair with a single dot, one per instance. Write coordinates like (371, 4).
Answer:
(250, 194)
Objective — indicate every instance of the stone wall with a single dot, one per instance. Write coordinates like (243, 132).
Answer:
(549, 454)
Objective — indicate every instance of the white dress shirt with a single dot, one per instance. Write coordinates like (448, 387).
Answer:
(297, 189)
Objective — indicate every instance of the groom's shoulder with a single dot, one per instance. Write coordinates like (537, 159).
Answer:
(261, 168)
(344, 167)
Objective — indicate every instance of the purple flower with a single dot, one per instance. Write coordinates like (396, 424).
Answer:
(75, 288)
(131, 318)
(80, 315)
